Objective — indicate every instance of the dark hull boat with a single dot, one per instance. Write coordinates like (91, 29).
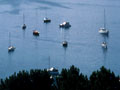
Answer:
(46, 20)
(65, 43)
(24, 27)
(11, 48)
(65, 25)
(36, 33)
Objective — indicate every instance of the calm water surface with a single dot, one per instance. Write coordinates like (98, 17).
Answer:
(84, 48)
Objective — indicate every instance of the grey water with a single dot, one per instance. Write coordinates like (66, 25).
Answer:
(84, 42)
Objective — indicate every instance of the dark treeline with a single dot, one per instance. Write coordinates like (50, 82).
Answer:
(69, 79)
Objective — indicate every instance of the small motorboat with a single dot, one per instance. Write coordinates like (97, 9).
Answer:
(24, 27)
(35, 32)
(53, 71)
(65, 25)
(104, 45)
(11, 48)
(65, 43)
(46, 20)
(103, 31)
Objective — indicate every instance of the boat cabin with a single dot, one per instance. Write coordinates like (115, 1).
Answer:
(36, 33)
(65, 25)
(65, 43)
(53, 71)
(11, 48)
(24, 27)
(46, 20)
(103, 31)
(104, 45)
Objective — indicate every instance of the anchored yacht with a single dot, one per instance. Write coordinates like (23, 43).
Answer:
(10, 48)
(65, 25)
(65, 43)
(35, 32)
(46, 20)
(104, 30)
(104, 45)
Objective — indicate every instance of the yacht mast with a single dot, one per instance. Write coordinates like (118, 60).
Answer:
(104, 19)
(9, 39)
(49, 62)
(23, 18)
(36, 19)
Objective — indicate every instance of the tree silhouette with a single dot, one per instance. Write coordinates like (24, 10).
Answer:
(35, 80)
(71, 80)
(104, 80)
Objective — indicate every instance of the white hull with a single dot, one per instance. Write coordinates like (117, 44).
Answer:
(104, 45)
(11, 48)
(53, 71)
(103, 31)
(65, 25)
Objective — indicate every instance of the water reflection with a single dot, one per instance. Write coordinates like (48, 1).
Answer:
(65, 50)
(10, 55)
(36, 44)
(104, 56)
(24, 34)
(105, 36)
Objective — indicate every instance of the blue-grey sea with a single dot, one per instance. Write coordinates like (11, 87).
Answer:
(84, 41)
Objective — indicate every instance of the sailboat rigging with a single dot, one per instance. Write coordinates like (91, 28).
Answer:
(104, 45)
(24, 25)
(104, 30)
(52, 71)
(35, 32)
(10, 48)
(46, 19)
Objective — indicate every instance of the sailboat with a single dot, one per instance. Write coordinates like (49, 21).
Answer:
(65, 43)
(104, 45)
(65, 25)
(10, 48)
(46, 19)
(24, 25)
(36, 32)
(104, 30)
(53, 71)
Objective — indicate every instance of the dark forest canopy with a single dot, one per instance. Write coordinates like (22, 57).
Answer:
(68, 79)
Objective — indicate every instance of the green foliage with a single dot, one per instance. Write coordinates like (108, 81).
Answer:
(69, 79)
(104, 80)
(35, 80)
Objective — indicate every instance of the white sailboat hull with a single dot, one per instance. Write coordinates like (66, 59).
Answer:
(104, 46)
(11, 48)
(103, 31)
